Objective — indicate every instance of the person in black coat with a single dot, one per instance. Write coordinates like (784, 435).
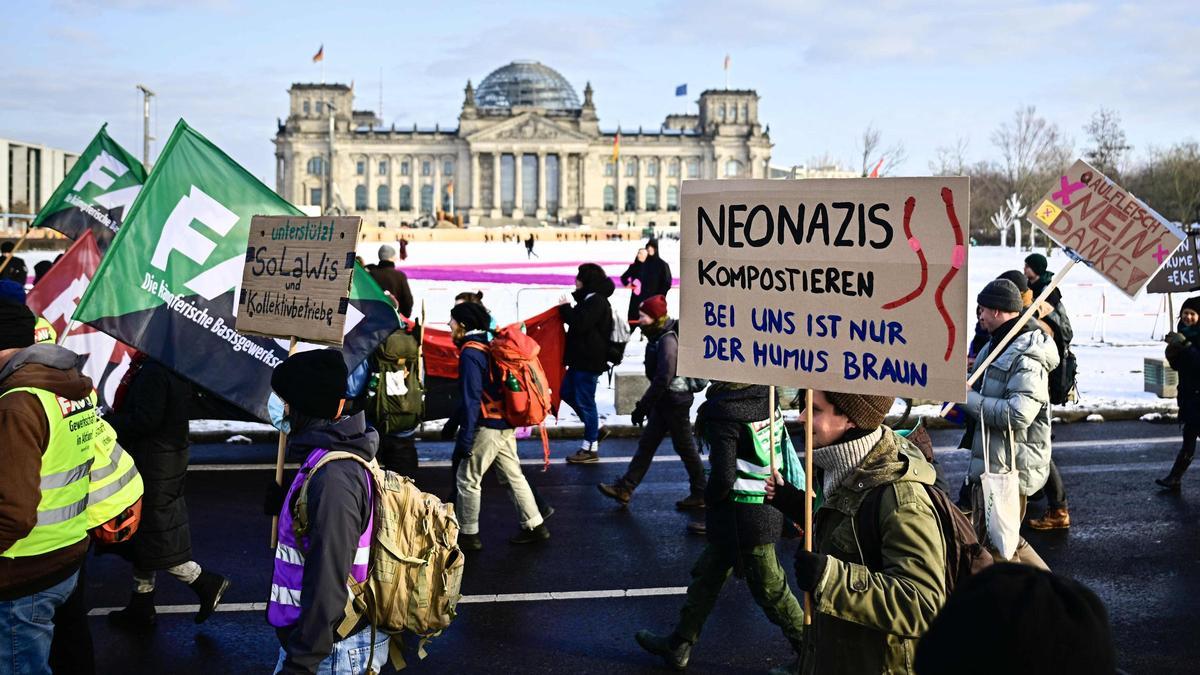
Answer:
(151, 421)
(631, 278)
(1183, 353)
(656, 273)
(589, 324)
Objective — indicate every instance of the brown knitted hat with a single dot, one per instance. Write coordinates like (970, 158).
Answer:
(867, 412)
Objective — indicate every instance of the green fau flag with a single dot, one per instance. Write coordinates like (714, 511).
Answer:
(168, 285)
(97, 192)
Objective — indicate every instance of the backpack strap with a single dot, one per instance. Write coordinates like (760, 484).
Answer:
(870, 538)
(300, 523)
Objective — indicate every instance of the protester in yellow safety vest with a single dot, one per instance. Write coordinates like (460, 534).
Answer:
(44, 333)
(47, 424)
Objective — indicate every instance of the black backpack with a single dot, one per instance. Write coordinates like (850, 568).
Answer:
(1062, 378)
(965, 556)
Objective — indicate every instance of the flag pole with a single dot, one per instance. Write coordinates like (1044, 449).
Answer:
(808, 491)
(279, 454)
(13, 253)
(66, 331)
(1021, 321)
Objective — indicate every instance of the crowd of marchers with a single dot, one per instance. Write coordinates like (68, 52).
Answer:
(901, 576)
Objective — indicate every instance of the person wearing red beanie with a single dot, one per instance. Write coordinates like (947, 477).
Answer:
(665, 408)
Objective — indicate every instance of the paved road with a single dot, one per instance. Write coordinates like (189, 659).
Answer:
(1137, 548)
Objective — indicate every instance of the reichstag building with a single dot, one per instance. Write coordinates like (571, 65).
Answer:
(525, 150)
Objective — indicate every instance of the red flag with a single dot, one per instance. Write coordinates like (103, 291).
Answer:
(320, 55)
(875, 171)
(547, 329)
(55, 298)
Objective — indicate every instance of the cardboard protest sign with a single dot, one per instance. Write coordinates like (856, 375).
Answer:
(1121, 237)
(851, 285)
(1181, 274)
(296, 282)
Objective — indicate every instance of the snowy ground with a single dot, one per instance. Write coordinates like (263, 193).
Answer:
(1113, 334)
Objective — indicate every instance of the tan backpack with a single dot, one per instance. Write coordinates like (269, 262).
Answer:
(414, 576)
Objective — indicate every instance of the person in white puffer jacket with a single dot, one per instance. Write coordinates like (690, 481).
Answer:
(1010, 404)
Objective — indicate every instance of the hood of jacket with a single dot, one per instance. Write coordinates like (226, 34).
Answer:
(894, 458)
(1031, 343)
(604, 288)
(734, 403)
(350, 434)
(49, 367)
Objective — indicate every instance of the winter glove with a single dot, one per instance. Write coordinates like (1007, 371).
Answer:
(638, 416)
(809, 568)
(1174, 338)
(273, 498)
(449, 430)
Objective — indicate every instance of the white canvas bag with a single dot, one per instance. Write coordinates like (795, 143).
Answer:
(1002, 499)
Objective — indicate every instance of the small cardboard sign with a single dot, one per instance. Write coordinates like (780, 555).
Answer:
(296, 281)
(1121, 237)
(848, 285)
(1181, 274)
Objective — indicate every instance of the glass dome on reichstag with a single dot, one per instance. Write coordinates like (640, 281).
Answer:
(526, 83)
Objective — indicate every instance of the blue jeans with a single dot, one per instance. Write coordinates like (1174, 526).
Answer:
(27, 627)
(579, 392)
(349, 656)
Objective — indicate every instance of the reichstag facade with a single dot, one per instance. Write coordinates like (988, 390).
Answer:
(525, 150)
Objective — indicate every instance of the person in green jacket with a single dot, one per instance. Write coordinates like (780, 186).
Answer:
(871, 600)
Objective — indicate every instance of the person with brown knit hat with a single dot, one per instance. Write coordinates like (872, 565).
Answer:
(872, 600)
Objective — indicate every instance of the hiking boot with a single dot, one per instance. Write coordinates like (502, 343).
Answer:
(209, 587)
(617, 491)
(469, 542)
(1054, 519)
(1171, 483)
(584, 457)
(697, 527)
(691, 503)
(531, 536)
(673, 650)
(139, 615)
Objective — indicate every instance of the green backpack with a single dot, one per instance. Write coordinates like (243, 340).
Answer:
(396, 399)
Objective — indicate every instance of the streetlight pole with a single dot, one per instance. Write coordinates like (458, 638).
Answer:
(147, 93)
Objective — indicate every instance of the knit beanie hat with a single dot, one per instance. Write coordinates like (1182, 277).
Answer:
(1018, 279)
(1022, 618)
(312, 382)
(1037, 262)
(12, 291)
(867, 412)
(1001, 294)
(1192, 303)
(654, 306)
(471, 316)
(16, 325)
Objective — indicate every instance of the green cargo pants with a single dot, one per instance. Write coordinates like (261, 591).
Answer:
(764, 576)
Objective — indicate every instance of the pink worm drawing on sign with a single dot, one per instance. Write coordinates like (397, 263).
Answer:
(915, 244)
(957, 259)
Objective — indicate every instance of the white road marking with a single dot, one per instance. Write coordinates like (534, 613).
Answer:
(957, 453)
(466, 599)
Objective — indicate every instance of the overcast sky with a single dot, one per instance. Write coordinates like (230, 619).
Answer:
(925, 73)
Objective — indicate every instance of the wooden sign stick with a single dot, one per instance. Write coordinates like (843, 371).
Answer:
(1021, 321)
(771, 423)
(279, 453)
(808, 492)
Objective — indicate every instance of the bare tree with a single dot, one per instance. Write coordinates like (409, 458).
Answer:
(1170, 182)
(1032, 148)
(873, 155)
(1108, 148)
(950, 160)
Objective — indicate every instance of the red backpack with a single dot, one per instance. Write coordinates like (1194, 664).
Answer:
(524, 399)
